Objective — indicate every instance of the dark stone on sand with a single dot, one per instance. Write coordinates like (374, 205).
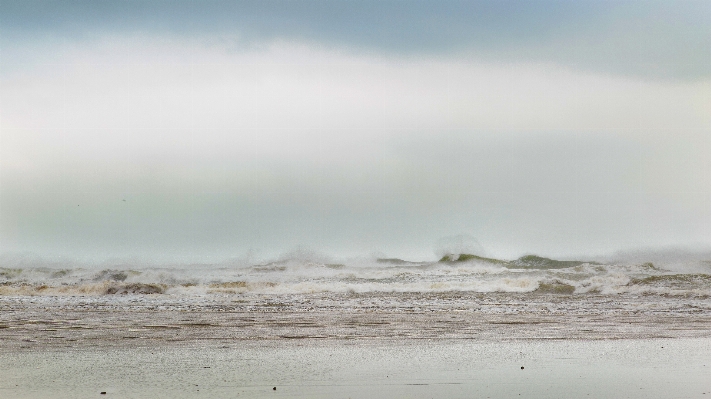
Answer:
(521, 367)
(103, 393)
(274, 389)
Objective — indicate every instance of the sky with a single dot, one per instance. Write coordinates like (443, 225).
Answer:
(208, 130)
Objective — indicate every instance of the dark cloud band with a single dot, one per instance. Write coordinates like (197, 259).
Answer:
(649, 39)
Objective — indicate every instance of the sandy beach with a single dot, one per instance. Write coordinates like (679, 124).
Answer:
(378, 345)
(633, 368)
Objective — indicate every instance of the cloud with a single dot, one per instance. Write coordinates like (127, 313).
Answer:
(652, 39)
(140, 82)
(217, 150)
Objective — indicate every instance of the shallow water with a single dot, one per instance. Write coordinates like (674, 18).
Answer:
(39, 322)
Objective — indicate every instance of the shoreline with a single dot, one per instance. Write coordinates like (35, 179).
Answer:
(376, 345)
(164, 320)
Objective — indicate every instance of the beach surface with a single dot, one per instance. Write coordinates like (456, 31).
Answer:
(633, 368)
(376, 345)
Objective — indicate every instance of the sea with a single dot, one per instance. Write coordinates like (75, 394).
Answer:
(306, 272)
(305, 325)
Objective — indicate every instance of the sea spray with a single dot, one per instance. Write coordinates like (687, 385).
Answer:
(308, 272)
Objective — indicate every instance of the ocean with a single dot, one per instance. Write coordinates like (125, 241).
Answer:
(315, 327)
(308, 273)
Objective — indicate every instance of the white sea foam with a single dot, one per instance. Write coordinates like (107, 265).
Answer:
(302, 272)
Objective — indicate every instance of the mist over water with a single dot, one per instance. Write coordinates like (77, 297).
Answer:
(671, 272)
(139, 148)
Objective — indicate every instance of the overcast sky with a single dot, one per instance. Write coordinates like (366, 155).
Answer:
(207, 129)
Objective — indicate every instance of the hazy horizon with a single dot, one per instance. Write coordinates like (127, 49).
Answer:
(215, 130)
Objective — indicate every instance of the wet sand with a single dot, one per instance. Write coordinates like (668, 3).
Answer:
(635, 368)
(355, 345)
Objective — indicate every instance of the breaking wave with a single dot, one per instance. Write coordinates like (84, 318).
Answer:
(309, 273)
